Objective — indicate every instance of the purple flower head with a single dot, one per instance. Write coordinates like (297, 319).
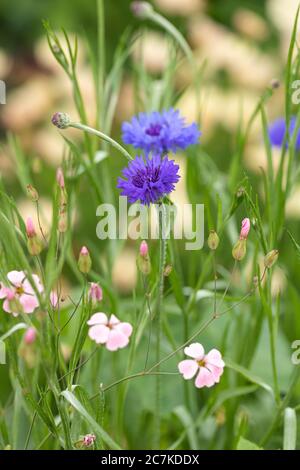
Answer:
(148, 180)
(277, 132)
(160, 132)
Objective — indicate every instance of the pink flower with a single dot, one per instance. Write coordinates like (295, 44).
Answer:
(30, 230)
(113, 333)
(23, 292)
(88, 440)
(144, 249)
(208, 368)
(245, 229)
(30, 335)
(95, 292)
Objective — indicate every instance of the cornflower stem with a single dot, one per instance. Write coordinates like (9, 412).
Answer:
(162, 259)
(101, 135)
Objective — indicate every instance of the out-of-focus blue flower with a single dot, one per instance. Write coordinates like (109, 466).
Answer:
(148, 180)
(160, 132)
(277, 132)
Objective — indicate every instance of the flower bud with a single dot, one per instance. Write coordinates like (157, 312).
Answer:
(30, 230)
(144, 248)
(32, 193)
(61, 120)
(141, 9)
(88, 440)
(85, 441)
(245, 229)
(53, 299)
(62, 220)
(30, 335)
(271, 258)
(239, 250)
(34, 244)
(275, 83)
(60, 178)
(213, 240)
(95, 293)
(84, 260)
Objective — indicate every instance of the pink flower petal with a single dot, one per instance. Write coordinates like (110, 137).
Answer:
(27, 287)
(6, 306)
(205, 378)
(3, 291)
(125, 327)
(216, 372)
(98, 319)
(28, 302)
(214, 357)
(99, 333)
(114, 320)
(116, 340)
(195, 350)
(38, 283)
(16, 277)
(188, 368)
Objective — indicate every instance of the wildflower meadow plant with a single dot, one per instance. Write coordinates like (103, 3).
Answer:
(81, 377)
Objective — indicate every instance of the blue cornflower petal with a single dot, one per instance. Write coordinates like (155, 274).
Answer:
(277, 131)
(148, 180)
(160, 132)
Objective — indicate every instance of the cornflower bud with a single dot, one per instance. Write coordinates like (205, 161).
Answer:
(61, 120)
(141, 9)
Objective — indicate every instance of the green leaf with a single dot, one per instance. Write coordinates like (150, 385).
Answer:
(244, 444)
(188, 422)
(70, 397)
(18, 326)
(248, 375)
(290, 429)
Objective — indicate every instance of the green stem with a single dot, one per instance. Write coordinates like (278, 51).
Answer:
(160, 292)
(101, 135)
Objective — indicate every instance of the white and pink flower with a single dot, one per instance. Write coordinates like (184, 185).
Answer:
(208, 367)
(20, 293)
(111, 332)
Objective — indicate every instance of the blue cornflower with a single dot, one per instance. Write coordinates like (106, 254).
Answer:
(277, 131)
(160, 132)
(148, 180)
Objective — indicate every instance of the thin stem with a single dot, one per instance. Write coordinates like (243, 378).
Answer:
(150, 319)
(228, 285)
(101, 135)
(39, 221)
